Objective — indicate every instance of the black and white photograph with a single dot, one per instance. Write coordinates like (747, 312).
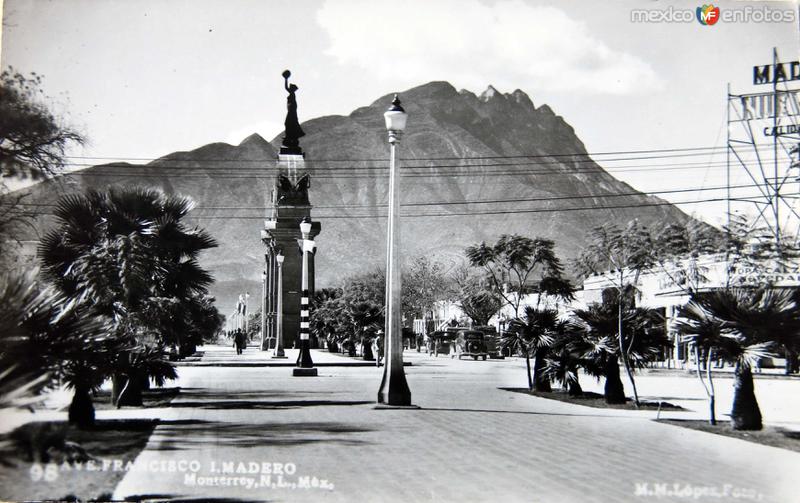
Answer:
(539, 251)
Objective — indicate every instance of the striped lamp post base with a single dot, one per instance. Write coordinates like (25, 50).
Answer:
(305, 366)
(304, 358)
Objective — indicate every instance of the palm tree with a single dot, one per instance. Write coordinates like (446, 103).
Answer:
(624, 253)
(565, 359)
(599, 341)
(59, 340)
(531, 337)
(126, 250)
(366, 319)
(752, 322)
(705, 332)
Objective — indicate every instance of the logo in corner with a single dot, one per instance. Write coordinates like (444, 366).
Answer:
(708, 15)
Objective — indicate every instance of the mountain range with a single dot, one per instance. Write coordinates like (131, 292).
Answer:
(474, 167)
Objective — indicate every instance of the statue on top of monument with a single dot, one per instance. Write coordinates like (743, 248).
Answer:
(293, 132)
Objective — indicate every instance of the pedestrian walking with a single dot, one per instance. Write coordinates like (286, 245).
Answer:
(377, 348)
(238, 341)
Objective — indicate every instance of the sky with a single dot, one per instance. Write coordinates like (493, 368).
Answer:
(143, 78)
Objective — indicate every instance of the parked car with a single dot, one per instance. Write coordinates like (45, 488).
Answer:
(461, 341)
(472, 343)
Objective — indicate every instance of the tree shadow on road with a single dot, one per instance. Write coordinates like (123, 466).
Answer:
(193, 434)
(527, 412)
(260, 405)
(216, 394)
(255, 400)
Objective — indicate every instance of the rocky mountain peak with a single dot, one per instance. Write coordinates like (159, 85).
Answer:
(523, 99)
(489, 93)
(444, 123)
(255, 140)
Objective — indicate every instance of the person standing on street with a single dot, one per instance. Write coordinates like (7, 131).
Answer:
(238, 341)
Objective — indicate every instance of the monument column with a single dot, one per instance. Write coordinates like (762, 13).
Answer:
(290, 206)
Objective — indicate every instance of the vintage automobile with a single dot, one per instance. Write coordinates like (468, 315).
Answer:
(460, 341)
(472, 343)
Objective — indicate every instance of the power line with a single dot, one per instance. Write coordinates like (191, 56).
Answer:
(520, 156)
(493, 212)
(483, 201)
(315, 164)
(472, 213)
(345, 176)
(317, 171)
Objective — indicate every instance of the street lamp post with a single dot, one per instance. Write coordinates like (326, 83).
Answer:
(246, 313)
(279, 343)
(304, 363)
(394, 388)
(263, 307)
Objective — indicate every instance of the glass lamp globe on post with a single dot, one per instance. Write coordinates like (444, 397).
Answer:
(394, 389)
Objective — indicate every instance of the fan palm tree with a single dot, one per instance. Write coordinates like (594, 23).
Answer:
(566, 359)
(531, 337)
(625, 252)
(751, 323)
(367, 319)
(705, 332)
(49, 339)
(121, 250)
(599, 341)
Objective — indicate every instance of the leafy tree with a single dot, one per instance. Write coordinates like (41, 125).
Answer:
(367, 287)
(522, 264)
(756, 257)
(625, 253)
(424, 284)
(128, 252)
(678, 250)
(33, 143)
(253, 324)
(356, 313)
(474, 295)
(755, 252)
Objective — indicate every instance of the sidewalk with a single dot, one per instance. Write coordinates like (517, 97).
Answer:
(469, 441)
(727, 371)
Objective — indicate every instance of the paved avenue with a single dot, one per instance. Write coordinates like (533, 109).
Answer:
(259, 434)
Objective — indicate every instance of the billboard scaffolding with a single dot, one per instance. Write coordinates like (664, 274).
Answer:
(764, 149)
